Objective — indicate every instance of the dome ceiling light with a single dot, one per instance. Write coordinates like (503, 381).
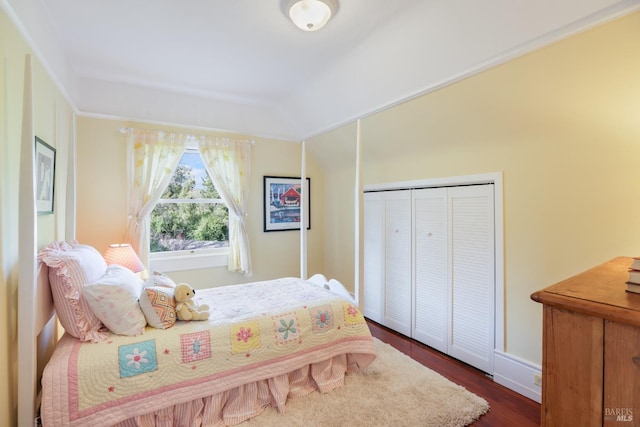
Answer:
(310, 15)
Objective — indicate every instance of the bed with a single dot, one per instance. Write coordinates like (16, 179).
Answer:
(264, 342)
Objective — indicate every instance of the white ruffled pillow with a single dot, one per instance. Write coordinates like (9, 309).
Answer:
(114, 300)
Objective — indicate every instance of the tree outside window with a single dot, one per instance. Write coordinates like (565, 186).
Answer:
(190, 215)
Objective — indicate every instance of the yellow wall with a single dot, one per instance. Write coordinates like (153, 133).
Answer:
(561, 123)
(336, 153)
(102, 212)
(53, 122)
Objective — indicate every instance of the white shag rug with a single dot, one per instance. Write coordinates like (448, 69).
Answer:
(394, 390)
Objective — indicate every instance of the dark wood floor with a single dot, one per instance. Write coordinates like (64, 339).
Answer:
(507, 408)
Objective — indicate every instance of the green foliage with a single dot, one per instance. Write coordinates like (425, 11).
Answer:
(180, 226)
(182, 184)
(208, 191)
(213, 226)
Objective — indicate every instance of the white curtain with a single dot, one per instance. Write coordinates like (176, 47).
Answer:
(229, 163)
(152, 158)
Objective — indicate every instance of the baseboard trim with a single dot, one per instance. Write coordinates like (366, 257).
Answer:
(517, 375)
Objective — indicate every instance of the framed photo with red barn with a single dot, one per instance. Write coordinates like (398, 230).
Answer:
(283, 198)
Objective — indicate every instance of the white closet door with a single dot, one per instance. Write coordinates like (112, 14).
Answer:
(471, 222)
(373, 256)
(431, 282)
(397, 261)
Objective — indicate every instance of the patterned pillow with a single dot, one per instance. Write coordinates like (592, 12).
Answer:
(71, 266)
(114, 300)
(159, 306)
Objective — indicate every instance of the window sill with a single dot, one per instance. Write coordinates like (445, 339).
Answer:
(188, 260)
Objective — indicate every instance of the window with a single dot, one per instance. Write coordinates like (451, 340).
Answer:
(190, 218)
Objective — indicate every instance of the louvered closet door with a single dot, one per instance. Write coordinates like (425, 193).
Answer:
(397, 260)
(471, 222)
(373, 257)
(430, 325)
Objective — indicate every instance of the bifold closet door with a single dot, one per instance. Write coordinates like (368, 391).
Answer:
(387, 259)
(431, 278)
(373, 254)
(472, 269)
(429, 267)
(396, 274)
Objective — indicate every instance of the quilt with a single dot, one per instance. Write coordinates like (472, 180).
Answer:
(256, 331)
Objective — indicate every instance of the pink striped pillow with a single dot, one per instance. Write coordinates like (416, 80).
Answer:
(71, 267)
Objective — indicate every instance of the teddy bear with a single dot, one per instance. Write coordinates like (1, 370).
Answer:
(186, 309)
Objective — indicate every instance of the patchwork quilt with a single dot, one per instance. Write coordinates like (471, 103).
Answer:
(256, 331)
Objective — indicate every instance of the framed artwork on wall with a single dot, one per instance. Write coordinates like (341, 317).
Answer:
(45, 164)
(282, 203)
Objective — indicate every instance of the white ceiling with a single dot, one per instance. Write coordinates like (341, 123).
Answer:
(241, 66)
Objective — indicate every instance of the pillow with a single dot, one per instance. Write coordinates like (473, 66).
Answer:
(71, 266)
(318, 279)
(160, 279)
(114, 300)
(338, 288)
(159, 306)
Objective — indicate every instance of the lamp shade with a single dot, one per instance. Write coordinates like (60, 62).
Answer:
(311, 15)
(124, 255)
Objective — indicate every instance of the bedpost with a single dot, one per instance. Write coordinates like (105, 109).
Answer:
(70, 196)
(27, 250)
(303, 213)
(357, 218)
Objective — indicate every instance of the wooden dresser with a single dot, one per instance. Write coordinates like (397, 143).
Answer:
(591, 349)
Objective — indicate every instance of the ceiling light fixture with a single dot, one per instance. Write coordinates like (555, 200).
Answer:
(310, 15)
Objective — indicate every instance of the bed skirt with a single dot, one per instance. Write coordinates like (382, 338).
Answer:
(234, 406)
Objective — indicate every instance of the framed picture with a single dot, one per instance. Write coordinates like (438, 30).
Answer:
(282, 203)
(45, 174)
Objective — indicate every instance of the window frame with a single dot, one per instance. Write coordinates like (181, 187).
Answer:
(191, 259)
